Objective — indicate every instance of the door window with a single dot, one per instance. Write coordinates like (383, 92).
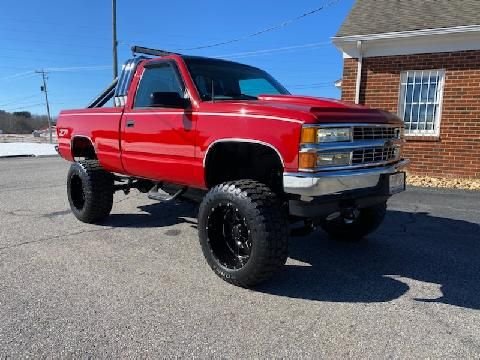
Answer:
(161, 78)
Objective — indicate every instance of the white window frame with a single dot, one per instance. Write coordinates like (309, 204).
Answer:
(438, 99)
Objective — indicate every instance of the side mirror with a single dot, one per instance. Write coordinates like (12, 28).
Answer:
(168, 100)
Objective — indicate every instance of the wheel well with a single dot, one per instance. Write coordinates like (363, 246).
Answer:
(82, 147)
(227, 161)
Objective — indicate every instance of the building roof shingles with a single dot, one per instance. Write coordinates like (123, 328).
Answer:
(383, 16)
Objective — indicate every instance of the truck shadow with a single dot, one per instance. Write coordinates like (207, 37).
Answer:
(156, 215)
(414, 255)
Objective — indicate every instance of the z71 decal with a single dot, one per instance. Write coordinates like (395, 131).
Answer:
(62, 132)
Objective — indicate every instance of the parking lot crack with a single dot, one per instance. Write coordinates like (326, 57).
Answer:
(108, 228)
(52, 238)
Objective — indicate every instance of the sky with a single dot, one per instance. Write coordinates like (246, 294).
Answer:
(73, 41)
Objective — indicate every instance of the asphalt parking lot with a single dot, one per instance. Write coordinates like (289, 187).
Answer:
(139, 286)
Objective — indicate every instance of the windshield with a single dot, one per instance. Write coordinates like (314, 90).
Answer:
(231, 81)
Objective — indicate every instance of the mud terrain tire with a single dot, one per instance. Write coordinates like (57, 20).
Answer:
(90, 191)
(243, 232)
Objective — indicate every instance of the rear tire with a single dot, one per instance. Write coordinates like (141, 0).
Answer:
(367, 221)
(243, 232)
(90, 191)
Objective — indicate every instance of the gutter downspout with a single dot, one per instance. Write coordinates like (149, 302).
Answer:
(359, 71)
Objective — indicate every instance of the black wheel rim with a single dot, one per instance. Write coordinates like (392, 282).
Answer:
(229, 236)
(76, 192)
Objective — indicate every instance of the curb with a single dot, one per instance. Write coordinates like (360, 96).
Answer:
(430, 189)
(15, 156)
(46, 156)
(27, 156)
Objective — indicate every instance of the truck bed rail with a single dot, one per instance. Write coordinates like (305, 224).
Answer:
(106, 95)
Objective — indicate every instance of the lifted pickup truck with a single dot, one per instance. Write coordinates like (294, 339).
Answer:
(234, 138)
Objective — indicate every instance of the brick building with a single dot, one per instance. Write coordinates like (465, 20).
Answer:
(421, 60)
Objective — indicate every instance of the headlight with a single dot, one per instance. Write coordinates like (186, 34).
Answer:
(312, 135)
(313, 160)
(334, 159)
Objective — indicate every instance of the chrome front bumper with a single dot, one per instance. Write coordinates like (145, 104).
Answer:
(333, 182)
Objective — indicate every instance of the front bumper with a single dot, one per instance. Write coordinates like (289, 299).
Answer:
(335, 182)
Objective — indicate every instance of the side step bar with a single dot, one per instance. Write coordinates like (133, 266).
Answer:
(157, 194)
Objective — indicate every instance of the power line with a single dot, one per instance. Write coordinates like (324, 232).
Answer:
(32, 106)
(23, 74)
(231, 55)
(274, 50)
(45, 31)
(78, 68)
(81, 51)
(19, 100)
(74, 26)
(26, 107)
(37, 57)
(30, 73)
(263, 31)
(16, 67)
(65, 42)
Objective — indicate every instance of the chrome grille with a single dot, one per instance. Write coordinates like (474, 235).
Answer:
(375, 155)
(370, 145)
(375, 132)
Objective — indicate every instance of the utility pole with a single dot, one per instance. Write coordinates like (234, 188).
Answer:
(115, 43)
(44, 89)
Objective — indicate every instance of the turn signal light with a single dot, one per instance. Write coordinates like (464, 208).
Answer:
(309, 135)
(307, 160)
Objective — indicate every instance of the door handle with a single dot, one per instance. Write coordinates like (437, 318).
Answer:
(130, 123)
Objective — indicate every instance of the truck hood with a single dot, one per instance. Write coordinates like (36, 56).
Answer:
(310, 109)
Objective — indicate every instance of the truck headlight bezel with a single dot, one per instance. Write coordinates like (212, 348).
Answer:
(323, 135)
(338, 158)
(312, 160)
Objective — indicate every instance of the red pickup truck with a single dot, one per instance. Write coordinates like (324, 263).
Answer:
(260, 158)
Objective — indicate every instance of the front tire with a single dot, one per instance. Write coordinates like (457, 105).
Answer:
(90, 191)
(243, 232)
(366, 222)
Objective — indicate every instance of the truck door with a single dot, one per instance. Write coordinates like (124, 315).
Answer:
(158, 139)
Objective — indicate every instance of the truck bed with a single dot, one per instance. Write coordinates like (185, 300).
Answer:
(100, 125)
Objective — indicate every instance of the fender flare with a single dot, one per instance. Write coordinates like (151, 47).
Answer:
(241, 140)
(73, 138)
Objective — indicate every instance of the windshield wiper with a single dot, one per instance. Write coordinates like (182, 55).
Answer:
(228, 97)
(248, 97)
(235, 97)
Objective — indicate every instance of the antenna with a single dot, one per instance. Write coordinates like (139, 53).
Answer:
(213, 92)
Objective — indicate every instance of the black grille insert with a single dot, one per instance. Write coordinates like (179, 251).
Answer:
(375, 155)
(375, 132)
